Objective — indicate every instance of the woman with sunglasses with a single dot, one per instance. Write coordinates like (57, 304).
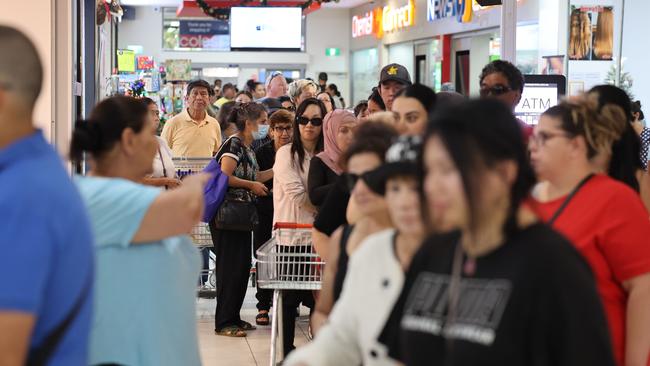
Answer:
(603, 218)
(290, 196)
(375, 272)
(366, 154)
(491, 286)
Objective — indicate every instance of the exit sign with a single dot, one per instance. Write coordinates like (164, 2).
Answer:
(332, 52)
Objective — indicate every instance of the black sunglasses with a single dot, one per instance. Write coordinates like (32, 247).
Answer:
(495, 90)
(316, 121)
(370, 178)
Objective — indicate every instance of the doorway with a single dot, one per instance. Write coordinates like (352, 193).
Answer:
(462, 72)
(421, 69)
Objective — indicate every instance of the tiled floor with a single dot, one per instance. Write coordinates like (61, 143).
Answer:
(253, 350)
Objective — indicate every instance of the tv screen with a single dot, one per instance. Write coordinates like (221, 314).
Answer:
(541, 92)
(265, 28)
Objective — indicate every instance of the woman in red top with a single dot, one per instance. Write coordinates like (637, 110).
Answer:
(604, 218)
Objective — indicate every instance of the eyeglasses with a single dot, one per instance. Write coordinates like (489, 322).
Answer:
(282, 130)
(316, 121)
(274, 74)
(352, 179)
(541, 138)
(494, 90)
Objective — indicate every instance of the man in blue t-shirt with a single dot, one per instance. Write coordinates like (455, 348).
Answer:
(46, 245)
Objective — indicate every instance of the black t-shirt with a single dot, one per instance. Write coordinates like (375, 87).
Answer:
(320, 181)
(332, 214)
(265, 153)
(532, 301)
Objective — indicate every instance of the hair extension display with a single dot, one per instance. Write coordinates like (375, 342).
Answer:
(604, 35)
(591, 36)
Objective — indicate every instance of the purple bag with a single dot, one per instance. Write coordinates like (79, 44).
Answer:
(215, 190)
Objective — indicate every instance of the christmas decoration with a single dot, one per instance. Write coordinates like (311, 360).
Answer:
(625, 82)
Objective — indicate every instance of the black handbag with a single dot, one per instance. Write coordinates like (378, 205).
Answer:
(236, 213)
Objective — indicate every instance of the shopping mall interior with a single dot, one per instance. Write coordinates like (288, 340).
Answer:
(94, 49)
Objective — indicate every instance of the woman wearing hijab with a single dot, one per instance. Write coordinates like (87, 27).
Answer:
(324, 170)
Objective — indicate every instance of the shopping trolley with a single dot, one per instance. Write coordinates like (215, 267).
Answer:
(287, 262)
(200, 232)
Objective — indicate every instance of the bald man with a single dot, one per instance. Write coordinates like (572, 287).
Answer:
(46, 252)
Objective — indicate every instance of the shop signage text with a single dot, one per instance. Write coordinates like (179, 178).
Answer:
(462, 10)
(399, 17)
(386, 19)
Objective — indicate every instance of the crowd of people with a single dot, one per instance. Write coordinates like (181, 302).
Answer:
(452, 232)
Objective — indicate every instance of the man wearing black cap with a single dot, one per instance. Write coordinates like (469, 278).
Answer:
(392, 79)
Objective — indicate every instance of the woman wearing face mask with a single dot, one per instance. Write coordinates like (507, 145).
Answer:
(364, 155)
(146, 265)
(164, 172)
(492, 286)
(324, 168)
(232, 249)
(411, 107)
(604, 218)
(375, 272)
(290, 196)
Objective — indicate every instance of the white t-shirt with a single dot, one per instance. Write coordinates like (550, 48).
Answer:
(166, 153)
(372, 285)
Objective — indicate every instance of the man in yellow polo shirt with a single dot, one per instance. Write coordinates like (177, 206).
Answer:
(193, 133)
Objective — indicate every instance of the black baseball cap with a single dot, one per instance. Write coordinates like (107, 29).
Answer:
(401, 160)
(199, 83)
(395, 72)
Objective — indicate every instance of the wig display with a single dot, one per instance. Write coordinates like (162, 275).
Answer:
(604, 36)
(580, 36)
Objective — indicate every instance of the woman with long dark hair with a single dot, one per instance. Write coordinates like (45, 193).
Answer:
(492, 286)
(411, 107)
(333, 91)
(625, 162)
(290, 194)
(232, 248)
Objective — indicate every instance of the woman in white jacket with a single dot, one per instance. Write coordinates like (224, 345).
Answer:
(375, 273)
(290, 197)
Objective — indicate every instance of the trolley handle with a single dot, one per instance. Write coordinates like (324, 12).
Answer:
(291, 225)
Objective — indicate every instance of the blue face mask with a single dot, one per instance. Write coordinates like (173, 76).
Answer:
(262, 132)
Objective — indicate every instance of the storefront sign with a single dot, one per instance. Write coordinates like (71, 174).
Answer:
(363, 25)
(399, 17)
(386, 19)
(203, 33)
(462, 10)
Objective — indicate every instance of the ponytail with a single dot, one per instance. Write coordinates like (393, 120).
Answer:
(98, 134)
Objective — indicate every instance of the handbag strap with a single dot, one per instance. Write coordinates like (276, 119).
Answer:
(41, 355)
(162, 161)
(568, 199)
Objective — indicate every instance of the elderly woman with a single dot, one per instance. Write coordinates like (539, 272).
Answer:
(146, 267)
(302, 89)
(164, 172)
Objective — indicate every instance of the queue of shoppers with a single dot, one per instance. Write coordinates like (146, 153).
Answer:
(452, 233)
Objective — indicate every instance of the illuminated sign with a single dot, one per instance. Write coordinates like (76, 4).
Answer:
(386, 19)
(462, 10)
(399, 17)
(363, 25)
